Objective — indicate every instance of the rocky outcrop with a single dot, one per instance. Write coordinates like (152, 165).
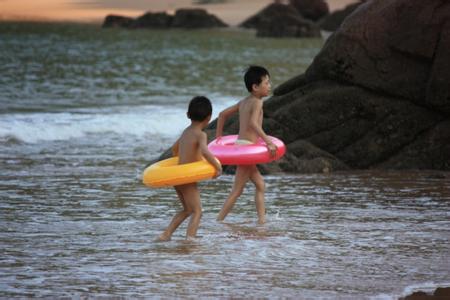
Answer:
(156, 20)
(196, 18)
(112, 21)
(280, 20)
(183, 18)
(332, 21)
(311, 9)
(377, 96)
(438, 294)
(399, 48)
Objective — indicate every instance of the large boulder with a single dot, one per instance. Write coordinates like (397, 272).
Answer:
(441, 293)
(153, 20)
(311, 9)
(112, 21)
(396, 47)
(280, 20)
(334, 20)
(377, 96)
(183, 18)
(196, 18)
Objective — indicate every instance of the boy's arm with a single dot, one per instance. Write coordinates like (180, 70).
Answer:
(208, 155)
(256, 126)
(223, 116)
(175, 148)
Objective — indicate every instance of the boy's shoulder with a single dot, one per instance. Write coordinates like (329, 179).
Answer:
(191, 135)
(247, 100)
(251, 101)
(196, 133)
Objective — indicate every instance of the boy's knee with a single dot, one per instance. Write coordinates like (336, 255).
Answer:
(197, 213)
(238, 192)
(260, 185)
(187, 212)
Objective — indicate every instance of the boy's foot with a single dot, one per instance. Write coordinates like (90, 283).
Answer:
(192, 238)
(163, 238)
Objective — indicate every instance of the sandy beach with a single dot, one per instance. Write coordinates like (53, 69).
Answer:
(232, 13)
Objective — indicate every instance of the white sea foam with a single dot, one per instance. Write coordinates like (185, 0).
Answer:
(139, 121)
(164, 121)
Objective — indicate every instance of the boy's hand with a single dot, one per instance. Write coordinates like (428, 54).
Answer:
(272, 149)
(218, 173)
(218, 167)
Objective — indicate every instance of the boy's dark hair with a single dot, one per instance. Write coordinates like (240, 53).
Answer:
(253, 75)
(199, 108)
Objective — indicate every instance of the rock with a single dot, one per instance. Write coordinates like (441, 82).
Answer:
(418, 296)
(184, 18)
(439, 294)
(153, 20)
(266, 13)
(367, 97)
(280, 20)
(311, 9)
(196, 18)
(399, 48)
(334, 20)
(442, 292)
(304, 157)
(117, 21)
(430, 150)
(358, 128)
(287, 26)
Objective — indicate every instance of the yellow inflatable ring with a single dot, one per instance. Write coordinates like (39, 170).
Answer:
(169, 173)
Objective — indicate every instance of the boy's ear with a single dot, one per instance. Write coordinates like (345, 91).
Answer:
(254, 87)
(207, 119)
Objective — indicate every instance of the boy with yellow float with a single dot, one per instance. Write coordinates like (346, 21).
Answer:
(190, 152)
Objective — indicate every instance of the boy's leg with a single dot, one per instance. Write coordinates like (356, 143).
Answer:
(192, 200)
(178, 218)
(258, 181)
(240, 179)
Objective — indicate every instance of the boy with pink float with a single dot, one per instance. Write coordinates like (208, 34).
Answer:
(250, 109)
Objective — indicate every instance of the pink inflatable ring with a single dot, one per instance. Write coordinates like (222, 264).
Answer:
(228, 153)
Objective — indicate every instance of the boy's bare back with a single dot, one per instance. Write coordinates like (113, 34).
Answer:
(189, 145)
(250, 110)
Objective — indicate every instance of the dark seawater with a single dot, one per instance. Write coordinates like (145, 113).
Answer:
(82, 110)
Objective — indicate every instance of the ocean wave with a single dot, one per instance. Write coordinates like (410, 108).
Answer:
(139, 121)
(164, 121)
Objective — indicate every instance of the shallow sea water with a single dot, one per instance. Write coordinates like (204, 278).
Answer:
(339, 236)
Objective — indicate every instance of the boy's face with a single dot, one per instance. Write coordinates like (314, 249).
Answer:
(263, 89)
